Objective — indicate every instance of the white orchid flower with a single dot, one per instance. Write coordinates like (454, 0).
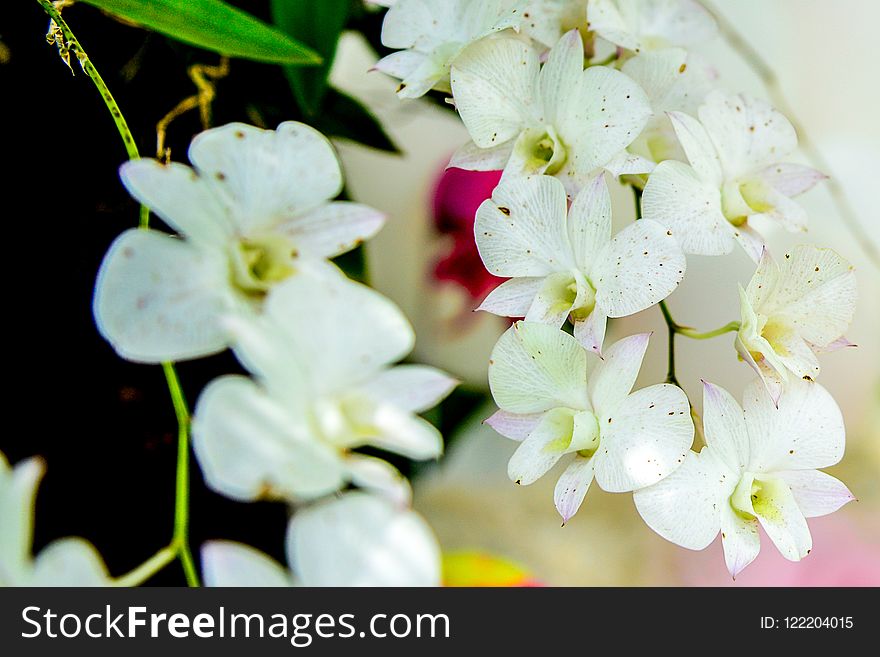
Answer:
(643, 25)
(674, 81)
(563, 263)
(253, 212)
(561, 402)
(759, 467)
(354, 540)
(430, 34)
(546, 21)
(65, 562)
(323, 355)
(792, 309)
(559, 120)
(736, 152)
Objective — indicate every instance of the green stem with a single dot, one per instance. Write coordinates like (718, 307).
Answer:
(180, 542)
(73, 46)
(671, 330)
(181, 498)
(148, 568)
(694, 335)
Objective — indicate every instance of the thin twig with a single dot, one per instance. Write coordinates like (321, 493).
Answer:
(61, 35)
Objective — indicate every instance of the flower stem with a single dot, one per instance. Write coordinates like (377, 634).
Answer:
(181, 498)
(148, 568)
(180, 542)
(671, 330)
(694, 335)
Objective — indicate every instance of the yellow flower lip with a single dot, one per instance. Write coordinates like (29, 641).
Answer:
(259, 263)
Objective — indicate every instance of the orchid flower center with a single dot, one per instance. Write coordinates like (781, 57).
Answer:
(544, 150)
(348, 421)
(584, 300)
(258, 264)
(576, 431)
(741, 199)
(757, 497)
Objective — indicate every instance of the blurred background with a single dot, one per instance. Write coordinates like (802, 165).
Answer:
(106, 427)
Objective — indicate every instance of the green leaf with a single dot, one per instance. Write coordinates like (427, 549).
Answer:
(343, 116)
(213, 25)
(318, 24)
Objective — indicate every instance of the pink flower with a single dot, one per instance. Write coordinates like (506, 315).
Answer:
(457, 196)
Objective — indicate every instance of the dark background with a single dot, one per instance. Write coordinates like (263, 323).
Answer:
(104, 426)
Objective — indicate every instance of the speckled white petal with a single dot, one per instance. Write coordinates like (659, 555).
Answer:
(603, 115)
(678, 22)
(230, 564)
(685, 507)
(512, 298)
(750, 240)
(362, 540)
(698, 147)
(629, 164)
(642, 265)
(678, 199)
(639, 25)
(401, 64)
(815, 294)
(740, 540)
(673, 79)
(405, 23)
(560, 74)
(432, 73)
(795, 354)
(748, 133)
(614, 23)
(542, 449)
(553, 302)
(645, 439)
(251, 446)
(413, 388)
(69, 562)
(783, 521)
(158, 298)
(267, 176)
(613, 378)
(534, 368)
(521, 231)
(331, 229)
(791, 179)
(724, 428)
(181, 199)
(806, 431)
(492, 82)
(572, 486)
(589, 222)
(760, 287)
(590, 332)
(473, 158)
(816, 493)
(513, 425)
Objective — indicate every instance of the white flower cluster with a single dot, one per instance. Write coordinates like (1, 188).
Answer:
(249, 270)
(542, 103)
